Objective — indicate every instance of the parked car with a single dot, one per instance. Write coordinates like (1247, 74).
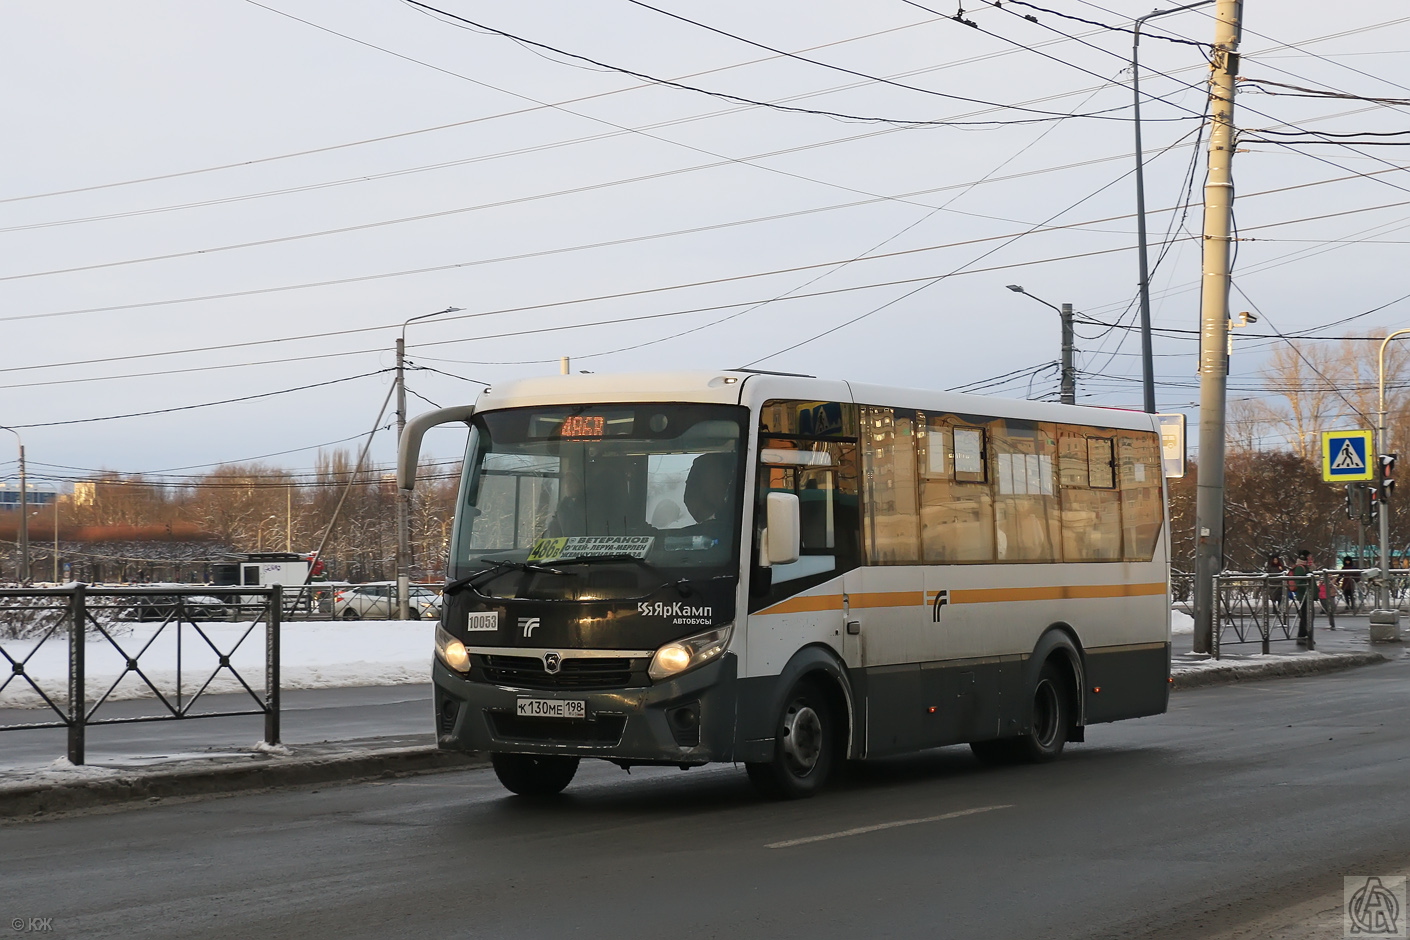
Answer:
(378, 601)
(160, 606)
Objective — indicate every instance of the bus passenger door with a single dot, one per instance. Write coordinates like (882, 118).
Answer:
(886, 597)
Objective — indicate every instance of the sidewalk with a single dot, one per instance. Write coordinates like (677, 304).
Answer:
(1346, 647)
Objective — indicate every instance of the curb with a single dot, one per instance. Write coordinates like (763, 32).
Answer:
(1253, 671)
(258, 774)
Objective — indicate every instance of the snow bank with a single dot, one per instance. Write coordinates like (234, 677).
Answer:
(1181, 622)
(318, 655)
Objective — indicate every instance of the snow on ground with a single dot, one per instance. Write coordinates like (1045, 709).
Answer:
(1202, 662)
(1181, 622)
(316, 655)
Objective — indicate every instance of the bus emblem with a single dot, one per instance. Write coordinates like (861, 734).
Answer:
(551, 663)
(941, 599)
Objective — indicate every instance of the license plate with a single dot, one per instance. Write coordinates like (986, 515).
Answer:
(551, 708)
(483, 620)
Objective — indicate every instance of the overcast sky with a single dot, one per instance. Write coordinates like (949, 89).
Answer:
(217, 200)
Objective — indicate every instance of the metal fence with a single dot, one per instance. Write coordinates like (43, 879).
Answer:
(160, 624)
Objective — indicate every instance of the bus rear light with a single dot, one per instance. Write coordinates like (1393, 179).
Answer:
(1096, 689)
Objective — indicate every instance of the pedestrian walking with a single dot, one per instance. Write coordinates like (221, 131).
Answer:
(1276, 584)
(1347, 582)
(1303, 591)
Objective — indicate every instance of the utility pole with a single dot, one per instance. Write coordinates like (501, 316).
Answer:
(403, 498)
(1068, 387)
(1069, 374)
(1147, 357)
(22, 574)
(1214, 319)
(1385, 620)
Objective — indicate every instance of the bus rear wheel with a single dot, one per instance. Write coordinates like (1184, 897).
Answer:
(534, 775)
(1047, 726)
(804, 747)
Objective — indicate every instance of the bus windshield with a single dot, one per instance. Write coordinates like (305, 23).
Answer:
(653, 486)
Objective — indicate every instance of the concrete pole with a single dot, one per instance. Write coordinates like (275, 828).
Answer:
(1214, 319)
(1385, 621)
(403, 498)
(1069, 374)
(24, 521)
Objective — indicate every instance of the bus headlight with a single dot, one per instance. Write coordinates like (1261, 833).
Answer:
(682, 655)
(451, 651)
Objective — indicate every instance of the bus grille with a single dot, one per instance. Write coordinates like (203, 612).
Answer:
(527, 672)
(603, 729)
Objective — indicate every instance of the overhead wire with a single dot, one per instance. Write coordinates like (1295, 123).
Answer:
(1043, 115)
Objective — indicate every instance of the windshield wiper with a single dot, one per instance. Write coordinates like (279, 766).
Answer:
(496, 565)
(680, 585)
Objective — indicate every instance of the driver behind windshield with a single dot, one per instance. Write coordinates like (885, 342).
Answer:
(707, 496)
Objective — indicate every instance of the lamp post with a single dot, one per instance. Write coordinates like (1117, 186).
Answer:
(1147, 357)
(404, 496)
(1385, 622)
(24, 511)
(1069, 374)
(259, 532)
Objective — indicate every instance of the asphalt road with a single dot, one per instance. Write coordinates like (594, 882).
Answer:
(358, 715)
(1242, 800)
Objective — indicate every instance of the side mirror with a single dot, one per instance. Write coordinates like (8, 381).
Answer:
(409, 451)
(784, 535)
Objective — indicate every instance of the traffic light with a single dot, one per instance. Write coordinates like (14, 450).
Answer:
(1361, 502)
(1387, 478)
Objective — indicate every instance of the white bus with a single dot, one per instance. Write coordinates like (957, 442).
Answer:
(787, 572)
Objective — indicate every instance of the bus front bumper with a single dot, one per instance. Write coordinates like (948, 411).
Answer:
(686, 720)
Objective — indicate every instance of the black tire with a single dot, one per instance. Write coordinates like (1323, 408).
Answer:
(1047, 725)
(805, 746)
(350, 614)
(534, 775)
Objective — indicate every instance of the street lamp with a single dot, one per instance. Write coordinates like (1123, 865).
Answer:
(1069, 375)
(24, 511)
(404, 496)
(1385, 622)
(259, 532)
(1147, 358)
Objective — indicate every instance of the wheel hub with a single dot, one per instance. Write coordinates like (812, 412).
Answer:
(802, 738)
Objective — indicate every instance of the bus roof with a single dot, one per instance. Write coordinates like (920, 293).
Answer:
(753, 388)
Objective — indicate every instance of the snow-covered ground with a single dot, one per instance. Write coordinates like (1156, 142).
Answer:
(1181, 622)
(321, 655)
(332, 654)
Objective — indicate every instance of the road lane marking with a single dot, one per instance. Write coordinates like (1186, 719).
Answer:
(860, 830)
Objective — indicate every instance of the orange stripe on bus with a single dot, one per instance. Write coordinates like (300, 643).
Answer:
(889, 599)
(1061, 592)
(813, 604)
(803, 605)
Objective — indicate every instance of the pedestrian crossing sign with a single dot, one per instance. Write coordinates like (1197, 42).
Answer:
(1346, 457)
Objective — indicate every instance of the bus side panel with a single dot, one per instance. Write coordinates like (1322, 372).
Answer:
(1134, 681)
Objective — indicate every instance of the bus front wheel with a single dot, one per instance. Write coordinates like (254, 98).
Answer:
(534, 775)
(804, 747)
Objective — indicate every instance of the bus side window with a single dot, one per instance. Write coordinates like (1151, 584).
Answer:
(1091, 508)
(889, 458)
(823, 477)
(956, 505)
(1142, 508)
